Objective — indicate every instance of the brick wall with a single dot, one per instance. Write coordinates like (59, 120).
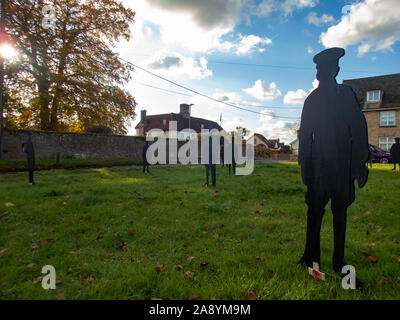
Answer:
(375, 130)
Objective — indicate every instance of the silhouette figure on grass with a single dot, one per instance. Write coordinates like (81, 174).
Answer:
(28, 148)
(333, 150)
(232, 165)
(210, 166)
(146, 164)
(395, 153)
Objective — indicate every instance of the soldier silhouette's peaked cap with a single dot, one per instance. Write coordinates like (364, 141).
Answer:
(329, 56)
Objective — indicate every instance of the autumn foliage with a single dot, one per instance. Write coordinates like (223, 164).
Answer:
(67, 77)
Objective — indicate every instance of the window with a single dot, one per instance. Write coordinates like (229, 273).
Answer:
(164, 122)
(386, 143)
(374, 96)
(388, 118)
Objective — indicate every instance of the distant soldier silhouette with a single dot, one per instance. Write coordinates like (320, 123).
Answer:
(395, 153)
(210, 166)
(222, 155)
(333, 150)
(371, 156)
(28, 148)
(144, 157)
(232, 165)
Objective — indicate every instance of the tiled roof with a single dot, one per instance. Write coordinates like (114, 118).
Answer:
(157, 122)
(389, 84)
(269, 143)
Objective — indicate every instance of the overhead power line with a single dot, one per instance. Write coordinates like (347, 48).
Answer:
(204, 95)
(189, 95)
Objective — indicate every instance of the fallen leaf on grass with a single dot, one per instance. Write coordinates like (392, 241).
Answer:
(4, 218)
(178, 267)
(250, 227)
(250, 295)
(131, 233)
(221, 225)
(193, 297)
(355, 218)
(367, 213)
(204, 264)
(156, 299)
(257, 212)
(388, 279)
(9, 204)
(215, 235)
(38, 279)
(258, 258)
(379, 230)
(372, 259)
(190, 274)
(191, 258)
(87, 280)
(2, 251)
(58, 282)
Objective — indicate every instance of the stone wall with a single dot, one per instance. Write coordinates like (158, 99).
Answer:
(78, 145)
(72, 145)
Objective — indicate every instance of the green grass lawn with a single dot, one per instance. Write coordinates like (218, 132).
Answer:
(47, 164)
(120, 234)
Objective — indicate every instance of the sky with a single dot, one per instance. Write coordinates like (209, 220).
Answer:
(255, 54)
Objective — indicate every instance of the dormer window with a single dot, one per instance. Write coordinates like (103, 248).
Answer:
(374, 96)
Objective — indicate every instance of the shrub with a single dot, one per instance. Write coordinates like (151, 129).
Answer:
(261, 152)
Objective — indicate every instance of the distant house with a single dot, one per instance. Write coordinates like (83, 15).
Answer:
(261, 141)
(379, 98)
(295, 147)
(183, 118)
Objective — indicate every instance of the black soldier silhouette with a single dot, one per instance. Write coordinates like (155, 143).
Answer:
(28, 148)
(232, 165)
(333, 150)
(144, 157)
(210, 166)
(395, 153)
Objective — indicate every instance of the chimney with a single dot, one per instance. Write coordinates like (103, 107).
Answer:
(185, 110)
(143, 116)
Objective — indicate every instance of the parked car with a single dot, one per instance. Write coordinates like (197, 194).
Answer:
(380, 155)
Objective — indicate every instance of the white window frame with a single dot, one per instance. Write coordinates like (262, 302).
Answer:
(385, 143)
(385, 117)
(373, 96)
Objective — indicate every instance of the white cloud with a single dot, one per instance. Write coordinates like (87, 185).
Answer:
(313, 18)
(248, 43)
(176, 65)
(291, 5)
(310, 50)
(271, 128)
(373, 25)
(287, 7)
(295, 97)
(208, 14)
(299, 96)
(264, 91)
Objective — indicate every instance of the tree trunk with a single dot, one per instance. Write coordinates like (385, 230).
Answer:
(44, 101)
